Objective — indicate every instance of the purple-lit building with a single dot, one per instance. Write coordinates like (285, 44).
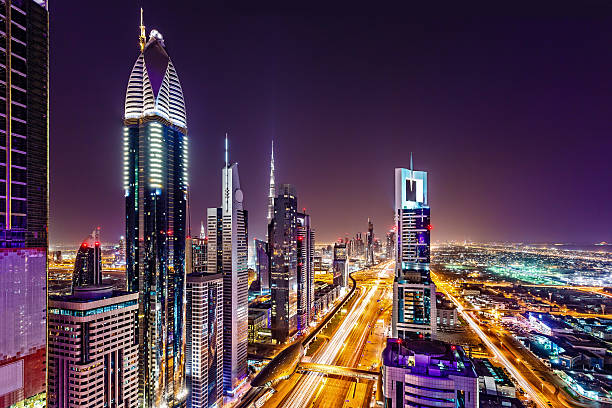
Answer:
(24, 203)
(427, 373)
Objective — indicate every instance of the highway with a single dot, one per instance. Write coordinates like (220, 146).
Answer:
(356, 343)
(537, 381)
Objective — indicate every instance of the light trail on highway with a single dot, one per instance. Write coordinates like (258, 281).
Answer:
(307, 388)
(510, 367)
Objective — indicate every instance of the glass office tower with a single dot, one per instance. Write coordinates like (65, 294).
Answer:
(305, 270)
(414, 294)
(282, 241)
(88, 261)
(24, 175)
(155, 184)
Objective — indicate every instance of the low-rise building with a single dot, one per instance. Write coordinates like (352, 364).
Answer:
(446, 314)
(492, 380)
(325, 295)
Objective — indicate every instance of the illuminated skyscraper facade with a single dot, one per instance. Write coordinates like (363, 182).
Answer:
(340, 265)
(88, 261)
(390, 245)
(282, 239)
(24, 140)
(155, 185)
(205, 340)
(196, 255)
(227, 254)
(120, 256)
(370, 243)
(305, 270)
(414, 294)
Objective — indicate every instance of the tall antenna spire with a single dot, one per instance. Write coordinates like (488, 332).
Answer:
(272, 193)
(226, 172)
(143, 36)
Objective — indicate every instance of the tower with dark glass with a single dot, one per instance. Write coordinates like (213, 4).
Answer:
(282, 241)
(155, 185)
(88, 262)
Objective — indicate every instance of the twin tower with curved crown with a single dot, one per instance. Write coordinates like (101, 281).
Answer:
(155, 181)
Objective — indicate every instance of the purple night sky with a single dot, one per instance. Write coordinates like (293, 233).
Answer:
(510, 116)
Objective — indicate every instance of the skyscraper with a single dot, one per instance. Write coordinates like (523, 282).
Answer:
(414, 294)
(120, 258)
(390, 245)
(205, 340)
(196, 255)
(282, 239)
(272, 192)
(370, 243)
(88, 261)
(305, 270)
(262, 265)
(93, 353)
(24, 140)
(155, 184)
(227, 254)
(214, 225)
(340, 265)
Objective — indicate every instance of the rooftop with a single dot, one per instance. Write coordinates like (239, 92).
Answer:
(89, 293)
(428, 357)
(203, 277)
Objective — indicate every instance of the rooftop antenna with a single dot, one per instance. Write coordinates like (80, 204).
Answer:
(411, 172)
(143, 36)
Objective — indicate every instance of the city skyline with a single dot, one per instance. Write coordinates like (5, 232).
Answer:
(490, 124)
(518, 124)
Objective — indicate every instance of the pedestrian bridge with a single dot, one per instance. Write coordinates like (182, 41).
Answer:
(339, 371)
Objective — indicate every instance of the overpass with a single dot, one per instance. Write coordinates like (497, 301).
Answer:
(339, 371)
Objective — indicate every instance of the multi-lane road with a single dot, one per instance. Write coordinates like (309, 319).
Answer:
(357, 342)
(540, 384)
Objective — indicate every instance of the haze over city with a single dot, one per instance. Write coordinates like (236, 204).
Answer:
(509, 115)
